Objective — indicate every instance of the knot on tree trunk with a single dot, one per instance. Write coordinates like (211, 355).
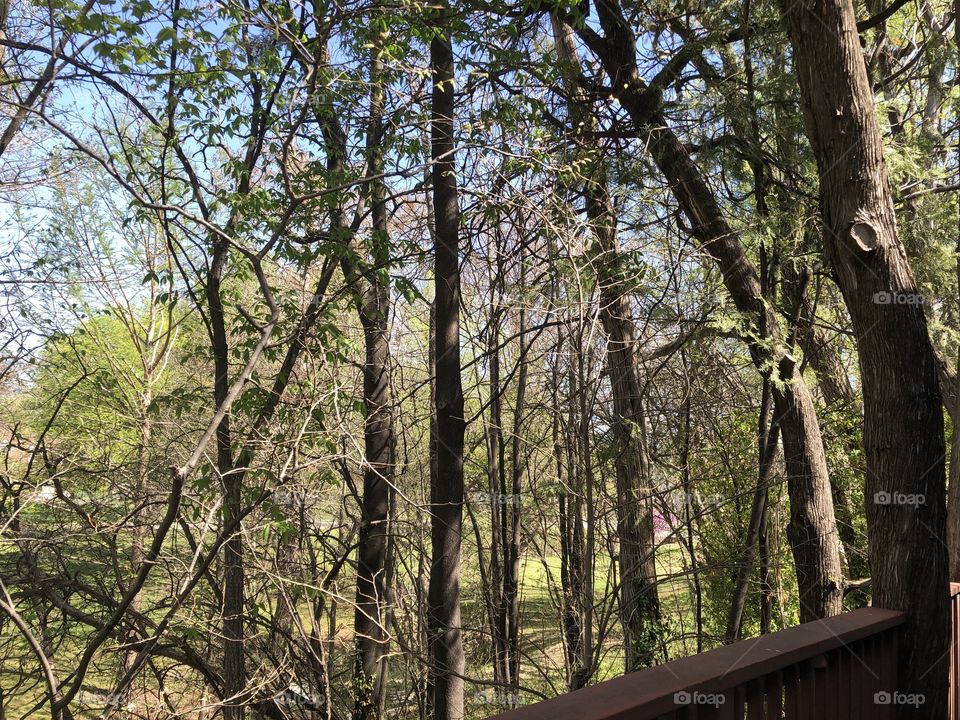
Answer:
(863, 232)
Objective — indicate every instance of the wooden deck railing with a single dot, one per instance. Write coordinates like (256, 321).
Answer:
(954, 651)
(842, 667)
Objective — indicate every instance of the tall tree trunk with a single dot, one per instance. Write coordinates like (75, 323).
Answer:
(511, 566)
(820, 355)
(572, 554)
(496, 479)
(446, 492)
(838, 395)
(687, 486)
(639, 603)
(768, 435)
(580, 412)
(812, 529)
(903, 415)
(234, 668)
(950, 385)
(373, 305)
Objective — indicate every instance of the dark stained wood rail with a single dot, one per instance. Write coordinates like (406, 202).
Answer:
(954, 651)
(838, 668)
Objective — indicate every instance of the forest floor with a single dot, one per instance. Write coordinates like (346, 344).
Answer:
(542, 662)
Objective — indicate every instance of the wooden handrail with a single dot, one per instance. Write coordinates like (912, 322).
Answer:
(954, 651)
(855, 653)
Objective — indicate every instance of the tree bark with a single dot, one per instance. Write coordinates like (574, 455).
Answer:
(496, 479)
(446, 492)
(373, 306)
(903, 415)
(574, 561)
(953, 499)
(768, 434)
(234, 668)
(511, 507)
(838, 394)
(820, 355)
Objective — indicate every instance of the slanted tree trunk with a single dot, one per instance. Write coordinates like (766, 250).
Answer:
(446, 492)
(821, 356)
(817, 352)
(903, 414)
(812, 529)
(639, 603)
(43, 85)
(838, 394)
(373, 306)
(768, 434)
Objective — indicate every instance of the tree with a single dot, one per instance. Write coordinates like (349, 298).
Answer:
(639, 602)
(446, 483)
(373, 306)
(903, 413)
(812, 526)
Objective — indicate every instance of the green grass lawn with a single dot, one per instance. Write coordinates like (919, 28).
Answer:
(542, 662)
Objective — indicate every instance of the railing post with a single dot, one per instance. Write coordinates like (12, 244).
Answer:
(888, 668)
(954, 651)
